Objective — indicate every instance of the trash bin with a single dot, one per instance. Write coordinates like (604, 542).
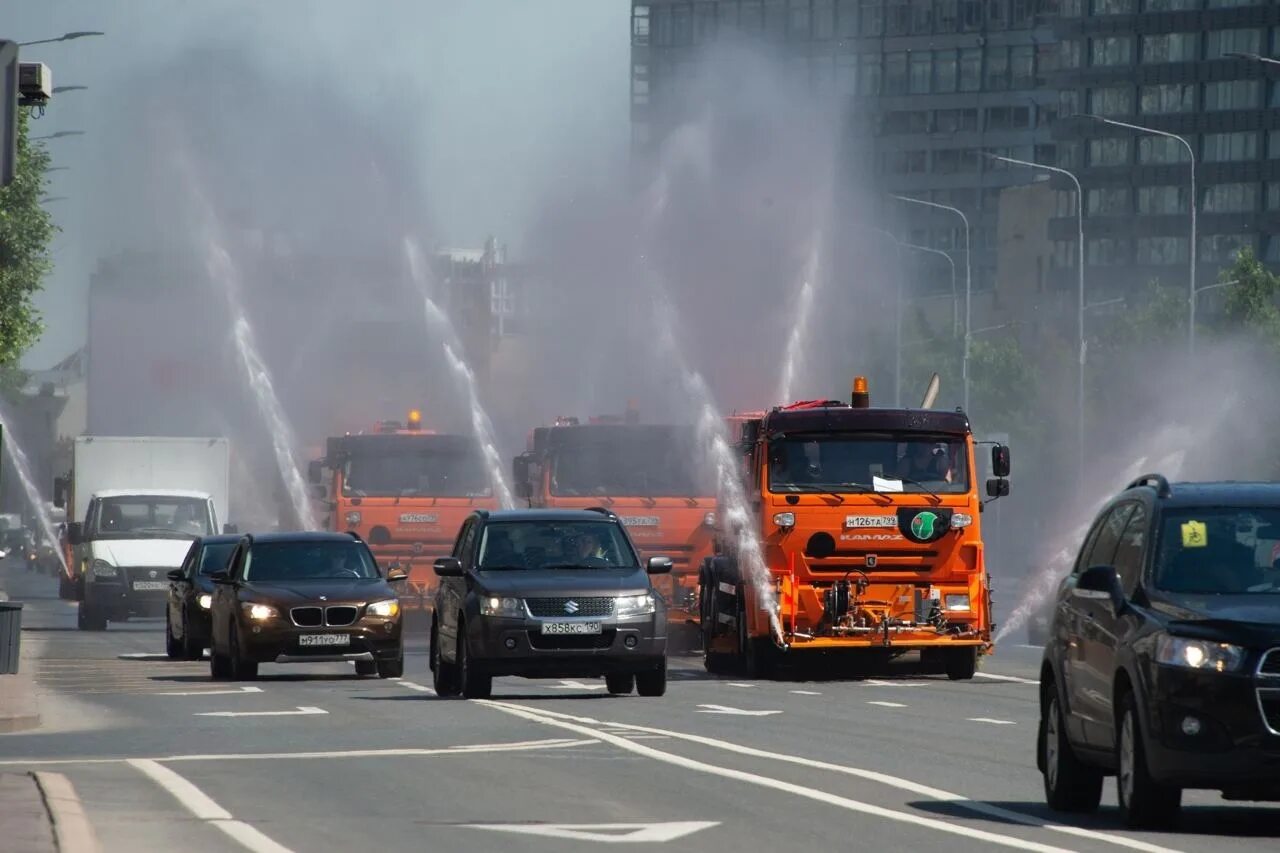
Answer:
(10, 636)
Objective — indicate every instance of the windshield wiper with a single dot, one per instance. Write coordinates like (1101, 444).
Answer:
(930, 492)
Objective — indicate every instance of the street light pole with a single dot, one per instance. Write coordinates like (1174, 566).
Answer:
(955, 297)
(1254, 57)
(79, 34)
(968, 286)
(1191, 289)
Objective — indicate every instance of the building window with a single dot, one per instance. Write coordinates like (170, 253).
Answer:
(1225, 147)
(1273, 144)
(1107, 201)
(971, 14)
(1111, 50)
(1170, 47)
(799, 21)
(997, 14)
(921, 73)
(751, 16)
(824, 19)
(997, 69)
(846, 18)
(957, 121)
(1227, 4)
(1169, 5)
(1273, 196)
(895, 73)
(897, 19)
(1069, 54)
(1111, 7)
(1232, 95)
(1064, 203)
(1021, 14)
(1111, 101)
(1064, 254)
(1230, 198)
(1161, 250)
(1163, 200)
(1022, 65)
(970, 69)
(1112, 151)
(704, 22)
(869, 75)
(1008, 118)
(640, 25)
(872, 18)
(1223, 248)
(946, 15)
(1221, 42)
(1273, 250)
(944, 71)
(1161, 149)
(1107, 251)
(1070, 8)
(1169, 98)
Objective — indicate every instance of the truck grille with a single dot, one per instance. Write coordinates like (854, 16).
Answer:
(570, 606)
(1270, 665)
(570, 642)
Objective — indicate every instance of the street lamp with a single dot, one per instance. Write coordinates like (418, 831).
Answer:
(79, 34)
(50, 198)
(1253, 57)
(955, 297)
(1079, 294)
(968, 285)
(59, 135)
(1191, 290)
(58, 90)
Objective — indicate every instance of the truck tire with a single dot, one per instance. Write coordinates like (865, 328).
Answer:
(756, 655)
(89, 618)
(961, 664)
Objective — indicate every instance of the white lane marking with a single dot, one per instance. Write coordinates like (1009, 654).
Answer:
(142, 656)
(737, 712)
(1011, 678)
(1028, 646)
(421, 688)
(880, 682)
(888, 704)
(882, 778)
(567, 684)
(607, 833)
(204, 808)
(300, 711)
(992, 721)
(737, 684)
(239, 691)
(805, 791)
(805, 692)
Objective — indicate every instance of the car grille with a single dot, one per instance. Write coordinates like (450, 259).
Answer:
(337, 617)
(1270, 665)
(1269, 696)
(570, 642)
(553, 607)
(1269, 704)
(307, 617)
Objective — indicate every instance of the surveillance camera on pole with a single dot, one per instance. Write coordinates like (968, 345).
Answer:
(35, 84)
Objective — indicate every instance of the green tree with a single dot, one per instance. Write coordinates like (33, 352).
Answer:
(1249, 305)
(26, 230)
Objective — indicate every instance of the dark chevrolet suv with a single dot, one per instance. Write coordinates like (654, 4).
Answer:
(547, 594)
(1162, 665)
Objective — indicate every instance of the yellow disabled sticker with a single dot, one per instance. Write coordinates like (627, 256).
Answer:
(1195, 534)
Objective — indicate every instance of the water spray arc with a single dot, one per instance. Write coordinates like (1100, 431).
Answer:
(23, 467)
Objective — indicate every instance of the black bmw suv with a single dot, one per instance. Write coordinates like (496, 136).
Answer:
(547, 593)
(1162, 665)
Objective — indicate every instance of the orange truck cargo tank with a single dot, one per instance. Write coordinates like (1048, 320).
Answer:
(869, 521)
(644, 473)
(406, 492)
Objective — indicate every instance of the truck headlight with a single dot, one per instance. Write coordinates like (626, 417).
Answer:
(493, 605)
(103, 569)
(957, 601)
(260, 612)
(709, 520)
(205, 601)
(353, 518)
(960, 520)
(785, 520)
(633, 605)
(1198, 654)
(388, 609)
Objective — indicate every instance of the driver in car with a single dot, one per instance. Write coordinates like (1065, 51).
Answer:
(586, 549)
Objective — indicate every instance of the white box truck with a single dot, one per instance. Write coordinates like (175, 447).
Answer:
(134, 505)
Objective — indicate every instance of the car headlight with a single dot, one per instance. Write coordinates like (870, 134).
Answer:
(103, 569)
(1198, 654)
(205, 601)
(493, 605)
(388, 609)
(633, 605)
(260, 612)
(354, 518)
(957, 601)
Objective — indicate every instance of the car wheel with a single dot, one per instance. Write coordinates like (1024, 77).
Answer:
(241, 669)
(172, 648)
(1144, 802)
(444, 678)
(1069, 784)
(391, 668)
(88, 618)
(961, 664)
(366, 667)
(219, 666)
(192, 649)
(653, 682)
(473, 684)
(620, 683)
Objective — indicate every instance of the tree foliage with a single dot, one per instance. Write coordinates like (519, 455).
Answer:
(1249, 306)
(26, 230)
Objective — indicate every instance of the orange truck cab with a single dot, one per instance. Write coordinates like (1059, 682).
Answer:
(647, 474)
(405, 490)
(868, 524)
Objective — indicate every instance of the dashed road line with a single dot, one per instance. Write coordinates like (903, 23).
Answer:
(887, 704)
(240, 691)
(805, 692)
(299, 711)
(737, 684)
(420, 688)
(992, 721)
(1010, 678)
(734, 712)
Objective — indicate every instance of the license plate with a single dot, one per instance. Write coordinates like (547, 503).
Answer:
(145, 585)
(324, 640)
(572, 628)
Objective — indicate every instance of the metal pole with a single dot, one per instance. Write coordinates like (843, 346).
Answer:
(955, 297)
(897, 336)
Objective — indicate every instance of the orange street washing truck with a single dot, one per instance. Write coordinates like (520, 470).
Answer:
(405, 490)
(867, 522)
(648, 474)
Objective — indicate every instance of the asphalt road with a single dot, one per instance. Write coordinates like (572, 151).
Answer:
(314, 758)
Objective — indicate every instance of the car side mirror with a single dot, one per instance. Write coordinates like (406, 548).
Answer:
(1100, 583)
(1000, 460)
(220, 576)
(315, 472)
(175, 574)
(395, 573)
(997, 488)
(75, 533)
(448, 567)
(230, 529)
(659, 565)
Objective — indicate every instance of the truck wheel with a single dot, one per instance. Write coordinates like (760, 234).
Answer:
(755, 654)
(66, 588)
(366, 667)
(1144, 802)
(1070, 785)
(90, 618)
(961, 664)
(653, 682)
(444, 677)
(620, 683)
(472, 683)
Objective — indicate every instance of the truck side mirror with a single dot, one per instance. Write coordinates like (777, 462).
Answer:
(520, 476)
(1000, 460)
(998, 488)
(60, 492)
(315, 471)
(319, 491)
(75, 533)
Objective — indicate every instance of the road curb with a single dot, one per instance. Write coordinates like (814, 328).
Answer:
(71, 827)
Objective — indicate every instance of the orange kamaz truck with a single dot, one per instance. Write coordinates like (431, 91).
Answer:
(867, 541)
(405, 490)
(648, 474)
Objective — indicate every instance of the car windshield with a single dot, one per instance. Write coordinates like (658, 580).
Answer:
(644, 461)
(416, 472)
(555, 544)
(214, 557)
(151, 515)
(905, 462)
(309, 561)
(1219, 550)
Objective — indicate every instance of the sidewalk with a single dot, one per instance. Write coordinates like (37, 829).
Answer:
(19, 709)
(40, 813)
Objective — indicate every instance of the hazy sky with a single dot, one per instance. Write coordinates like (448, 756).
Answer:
(509, 99)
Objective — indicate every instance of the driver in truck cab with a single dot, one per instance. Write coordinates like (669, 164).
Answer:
(923, 461)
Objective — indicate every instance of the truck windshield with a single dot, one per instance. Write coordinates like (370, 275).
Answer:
(414, 472)
(136, 516)
(1219, 551)
(622, 461)
(914, 463)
